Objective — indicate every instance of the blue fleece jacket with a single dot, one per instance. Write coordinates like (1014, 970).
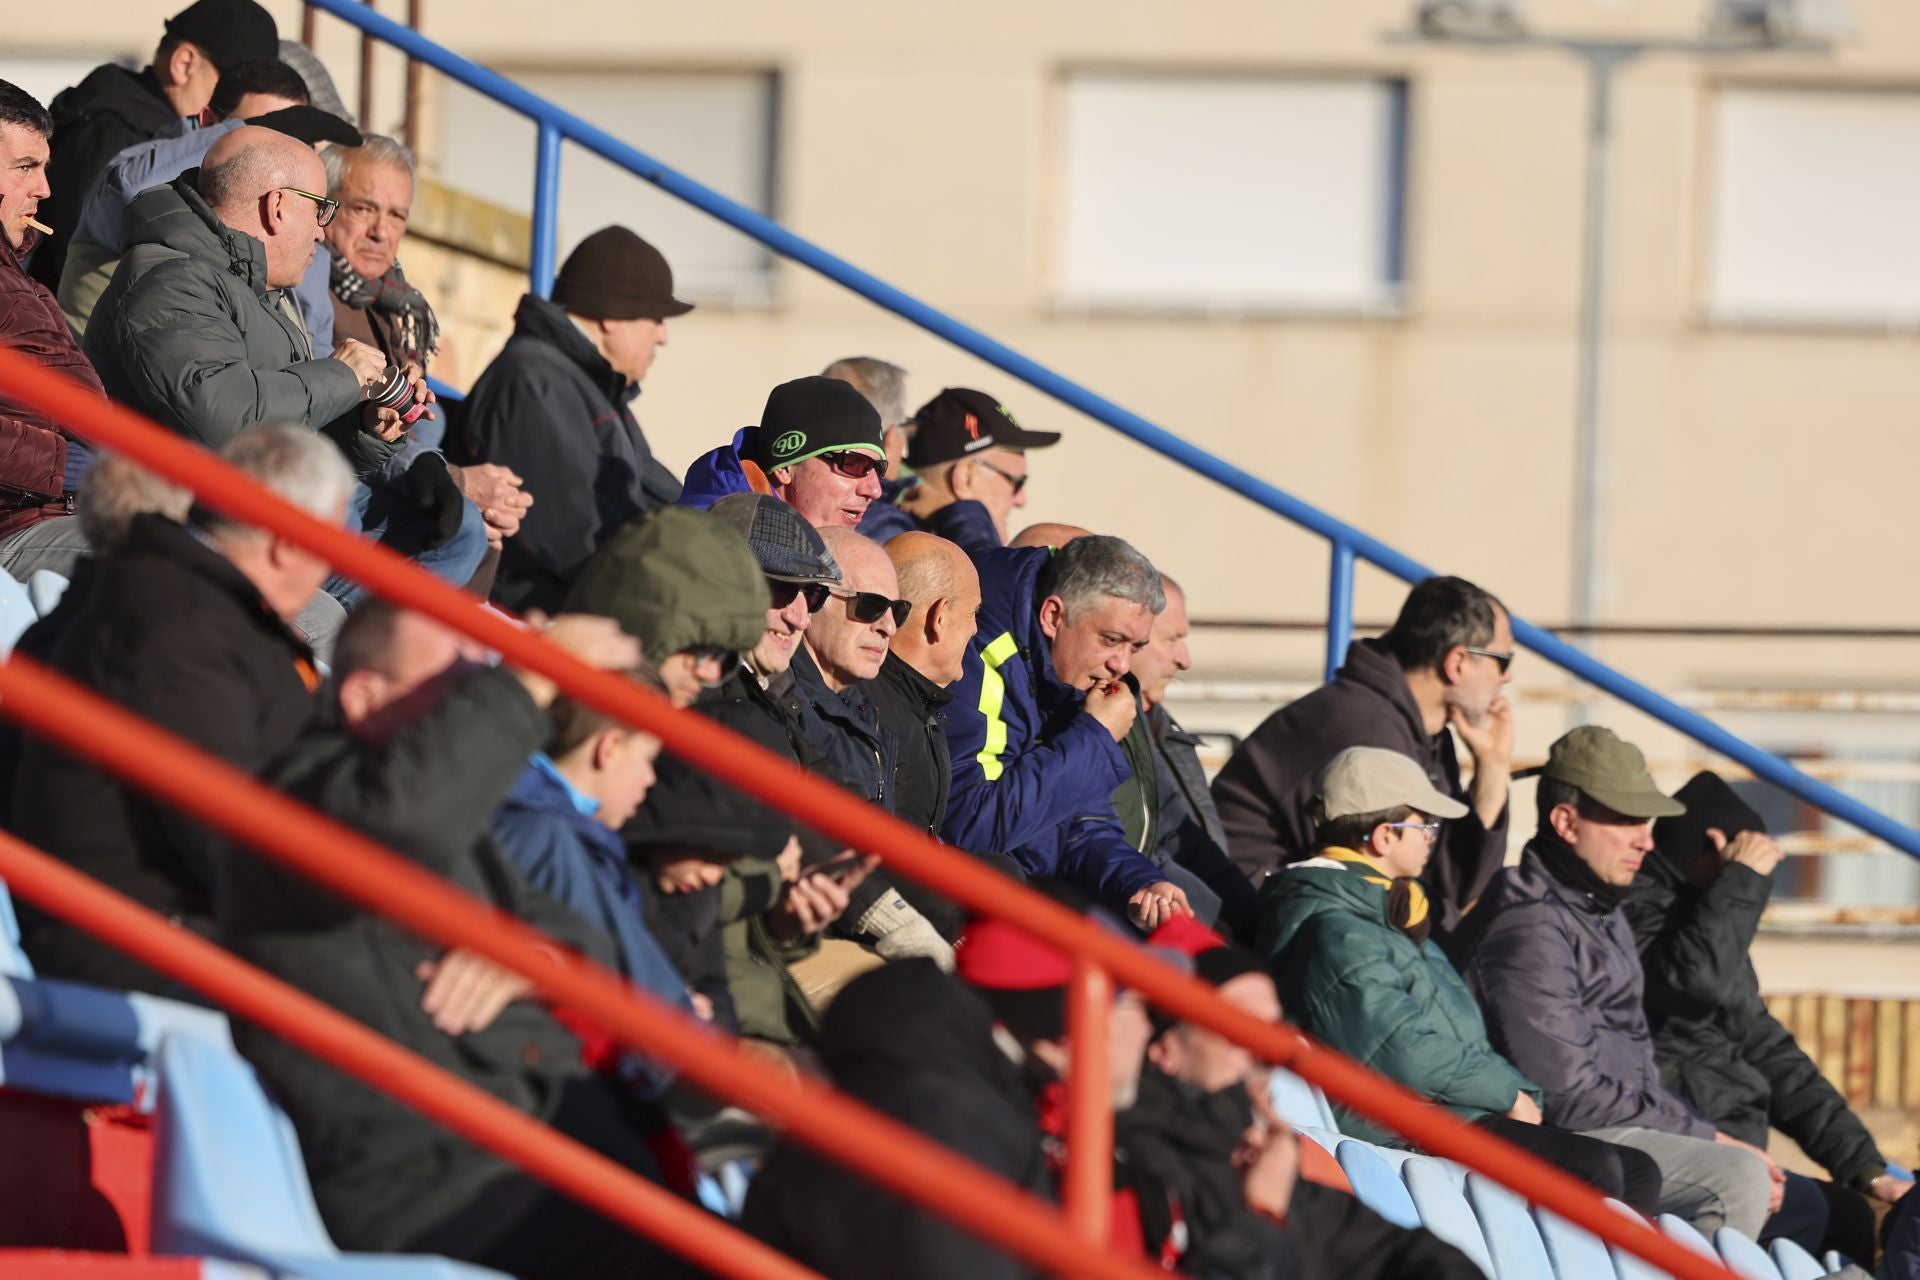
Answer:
(716, 474)
(573, 858)
(1033, 777)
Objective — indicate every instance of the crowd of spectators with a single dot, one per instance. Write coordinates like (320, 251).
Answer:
(841, 584)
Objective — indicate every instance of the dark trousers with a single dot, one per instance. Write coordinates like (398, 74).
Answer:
(1621, 1172)
(1819, 1216)
(522, 1227)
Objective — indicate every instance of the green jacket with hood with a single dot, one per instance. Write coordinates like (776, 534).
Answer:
(1353, 981)
(190, 334)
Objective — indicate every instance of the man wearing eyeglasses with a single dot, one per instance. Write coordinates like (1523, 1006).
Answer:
(1439, 673)
(194, 329)
(969, 457)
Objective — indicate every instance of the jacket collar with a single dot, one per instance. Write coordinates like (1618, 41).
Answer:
(900, 674)
(849, 707)
(1551, 886)
(160, 537)
(547, 322)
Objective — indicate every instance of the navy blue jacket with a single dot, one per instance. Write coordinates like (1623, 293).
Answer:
(966, 523)
(845, 727)
(1033, 777)
(577, 861)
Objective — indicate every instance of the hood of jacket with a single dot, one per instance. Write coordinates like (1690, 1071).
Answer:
(543, 321)
(675, 579)
(1370, 666)
(174, 217)
(534, 791)
(717, 473)
(109, 90)
(1295, 894)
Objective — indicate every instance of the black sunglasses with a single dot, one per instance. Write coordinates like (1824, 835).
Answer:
(1018, 482)
(870, 606)
(854, 466)
(1504, 659)
(784, 592)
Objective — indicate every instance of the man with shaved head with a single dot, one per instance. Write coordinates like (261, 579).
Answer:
(1047, 533)
(197, 331)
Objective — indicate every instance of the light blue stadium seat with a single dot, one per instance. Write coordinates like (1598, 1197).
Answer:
(1574, 1253)
(1513, 1241)
(1300, 1104)
(16, 611)
(44, 590)
(1443, 1210)
(1794, 1262)
(68, 1040)
(1326, 1139)
(1375, 1184)
(1680, 1231)
(1628, 1266)
(228, 1181)
(1744, 1256)
(1834, 1260)
(13, 960)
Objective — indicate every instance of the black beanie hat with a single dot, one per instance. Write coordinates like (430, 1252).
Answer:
(811, 416)
(231, 31)
(615, 275)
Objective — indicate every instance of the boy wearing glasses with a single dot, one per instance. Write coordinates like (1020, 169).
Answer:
(1346, 936)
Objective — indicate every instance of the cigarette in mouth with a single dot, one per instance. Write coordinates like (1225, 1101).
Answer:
(40, 226)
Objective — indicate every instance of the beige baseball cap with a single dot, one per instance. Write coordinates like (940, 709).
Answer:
(1374, 779)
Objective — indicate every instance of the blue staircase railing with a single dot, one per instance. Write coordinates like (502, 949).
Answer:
(1347, 543)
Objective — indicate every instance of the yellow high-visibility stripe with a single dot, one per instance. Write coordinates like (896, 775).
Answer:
(993, 698)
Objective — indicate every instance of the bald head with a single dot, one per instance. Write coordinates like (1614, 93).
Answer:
(846, 648)
(944, 587)
(1048, 534)
(246, 180)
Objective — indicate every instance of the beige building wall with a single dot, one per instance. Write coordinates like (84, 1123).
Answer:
(1756, 476)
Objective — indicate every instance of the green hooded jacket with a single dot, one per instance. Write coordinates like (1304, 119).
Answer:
(675, 579)
(1353, 981)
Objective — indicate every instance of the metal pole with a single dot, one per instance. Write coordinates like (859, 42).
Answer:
(307, 25)
(546, 210)
(1339, 607)
(1089, 1180)
(410, 127)
(1589, 449)
(366, 74)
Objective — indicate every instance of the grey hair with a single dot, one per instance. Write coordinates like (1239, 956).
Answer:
(1090, 569)
(883, 384)
(115, 491)
(300, 466)
(376, 149)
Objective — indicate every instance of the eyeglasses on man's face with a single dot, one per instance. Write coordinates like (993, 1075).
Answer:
(854, 466)
(784, 593)
(327, 207)
(1018, 482)
(870, 606)
(1504, 659)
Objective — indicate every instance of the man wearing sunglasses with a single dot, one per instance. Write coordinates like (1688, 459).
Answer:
(818, 449)
(969, 458)
(1439, 673)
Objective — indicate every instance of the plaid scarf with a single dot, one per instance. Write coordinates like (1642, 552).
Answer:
(390, 295)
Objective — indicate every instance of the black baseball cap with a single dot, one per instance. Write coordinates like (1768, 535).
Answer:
(231, 31)
(310, 125)
(960, 422)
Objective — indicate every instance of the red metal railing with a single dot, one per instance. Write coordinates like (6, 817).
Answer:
(285, 831)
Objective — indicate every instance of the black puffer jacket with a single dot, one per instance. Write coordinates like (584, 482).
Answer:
(1263, 789)
(171, 631)
(553, 409)
(383, 1175)
(1716, 1044)
(913, 1043)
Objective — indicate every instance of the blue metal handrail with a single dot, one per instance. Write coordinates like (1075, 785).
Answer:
(1348, 543)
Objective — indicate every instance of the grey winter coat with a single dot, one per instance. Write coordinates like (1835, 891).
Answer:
(1558, 975)
(189, 334)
